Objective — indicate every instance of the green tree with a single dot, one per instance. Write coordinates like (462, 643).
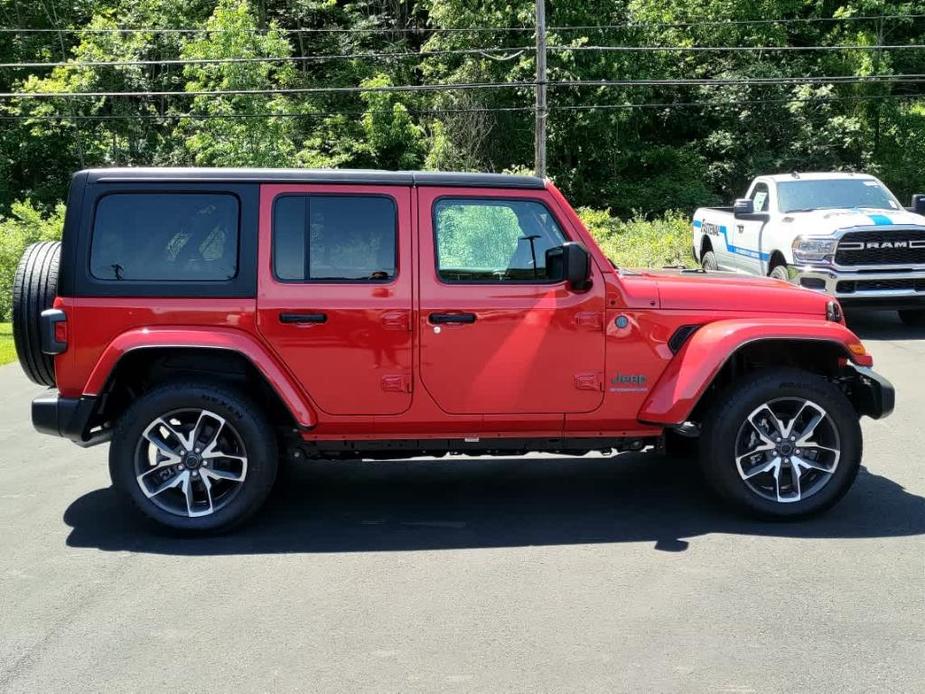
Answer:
(251, 129)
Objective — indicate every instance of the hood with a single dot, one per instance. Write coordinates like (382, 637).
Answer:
(826, 222)
(727, 291)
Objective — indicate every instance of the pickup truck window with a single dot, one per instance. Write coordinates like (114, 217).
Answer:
(760, 197)
(334, 238)
(165, 237)
(491, 240)
(806, 196)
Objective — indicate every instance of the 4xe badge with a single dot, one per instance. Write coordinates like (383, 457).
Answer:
(628, 383)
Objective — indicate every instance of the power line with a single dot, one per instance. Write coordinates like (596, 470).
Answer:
(716, 49)
(322, 57)
(393, 55)
(450, 111)
(707, 82)
(440, 30)
(732, 22)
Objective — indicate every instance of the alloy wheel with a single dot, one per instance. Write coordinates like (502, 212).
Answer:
(787, 449)
(190, 462)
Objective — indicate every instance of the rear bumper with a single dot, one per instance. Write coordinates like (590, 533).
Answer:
(870, 393)
(880, 289)
(68, 418)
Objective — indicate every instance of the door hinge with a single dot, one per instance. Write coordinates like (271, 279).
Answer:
(395, 383)
(589, 381)
(593, 320)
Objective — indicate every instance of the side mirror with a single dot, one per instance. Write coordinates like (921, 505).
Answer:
(918, 203)
(742, 207)
(570, 262)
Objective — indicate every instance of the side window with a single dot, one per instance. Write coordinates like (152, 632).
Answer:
(166, 237)
(490, 240)
(334, 238)
(760, 195)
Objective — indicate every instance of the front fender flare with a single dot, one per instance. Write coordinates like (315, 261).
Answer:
(705, 353)
(212, 338)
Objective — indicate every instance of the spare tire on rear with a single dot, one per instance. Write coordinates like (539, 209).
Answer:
(34, 287)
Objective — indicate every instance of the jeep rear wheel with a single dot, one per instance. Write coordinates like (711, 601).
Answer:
(784, 443)
(35, 285)
(194, 457)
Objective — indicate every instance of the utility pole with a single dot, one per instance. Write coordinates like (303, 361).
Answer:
(539, 149)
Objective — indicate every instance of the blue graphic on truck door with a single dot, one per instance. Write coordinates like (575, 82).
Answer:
(717, 230)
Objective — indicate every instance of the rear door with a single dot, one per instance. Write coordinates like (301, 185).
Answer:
(335, 292)
(497, 337)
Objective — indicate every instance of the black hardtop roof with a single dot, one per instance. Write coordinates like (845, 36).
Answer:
(346, 176)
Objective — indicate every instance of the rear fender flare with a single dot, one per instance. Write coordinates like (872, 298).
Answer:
(694, 368)
(213, 338)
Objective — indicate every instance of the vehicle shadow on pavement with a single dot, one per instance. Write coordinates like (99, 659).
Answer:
(476, 503)
(881, 325)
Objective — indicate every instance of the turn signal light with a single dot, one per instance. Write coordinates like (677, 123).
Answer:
(859, 354)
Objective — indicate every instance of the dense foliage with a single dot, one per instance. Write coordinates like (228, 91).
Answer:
(655, 147)
(642, 151)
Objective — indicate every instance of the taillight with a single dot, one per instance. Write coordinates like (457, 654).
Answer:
(53, 331)
(61, 332)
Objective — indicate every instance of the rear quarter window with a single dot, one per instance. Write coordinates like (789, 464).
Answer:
(165, 237)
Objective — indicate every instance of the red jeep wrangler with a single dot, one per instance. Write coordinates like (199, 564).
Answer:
(211, 322)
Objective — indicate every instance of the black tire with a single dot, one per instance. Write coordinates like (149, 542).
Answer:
(913, 317)
(708, 261)
(720, 439)
(246, 421)
(35, 285)
(779, 272)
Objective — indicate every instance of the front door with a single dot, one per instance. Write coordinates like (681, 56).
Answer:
(335, 292)
(497, 337)
(748, 232)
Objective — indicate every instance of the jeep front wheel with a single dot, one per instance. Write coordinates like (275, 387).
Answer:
(194, 457)
(783, 443)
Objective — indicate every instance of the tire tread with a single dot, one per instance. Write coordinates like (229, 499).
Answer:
(35, 285)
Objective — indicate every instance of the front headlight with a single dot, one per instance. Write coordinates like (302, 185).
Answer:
(814, 248)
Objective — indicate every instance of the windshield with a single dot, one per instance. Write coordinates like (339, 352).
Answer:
(797, 196)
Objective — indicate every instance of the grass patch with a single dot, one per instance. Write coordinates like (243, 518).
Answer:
(7, 350)
(640, 242)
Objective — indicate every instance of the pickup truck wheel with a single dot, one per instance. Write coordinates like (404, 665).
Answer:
(779, 272)
(708, 261)
(194, 457)
(913, 317)
(782, 444)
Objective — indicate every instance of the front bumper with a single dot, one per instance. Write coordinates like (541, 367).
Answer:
(869, 392)
(873, 289)
(67, 417)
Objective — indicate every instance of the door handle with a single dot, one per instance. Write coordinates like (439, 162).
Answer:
(462, 318)
(303, 317)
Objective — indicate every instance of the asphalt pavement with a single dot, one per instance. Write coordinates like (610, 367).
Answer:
(539, 574)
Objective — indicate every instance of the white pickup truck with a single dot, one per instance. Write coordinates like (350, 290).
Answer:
(841, 233)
